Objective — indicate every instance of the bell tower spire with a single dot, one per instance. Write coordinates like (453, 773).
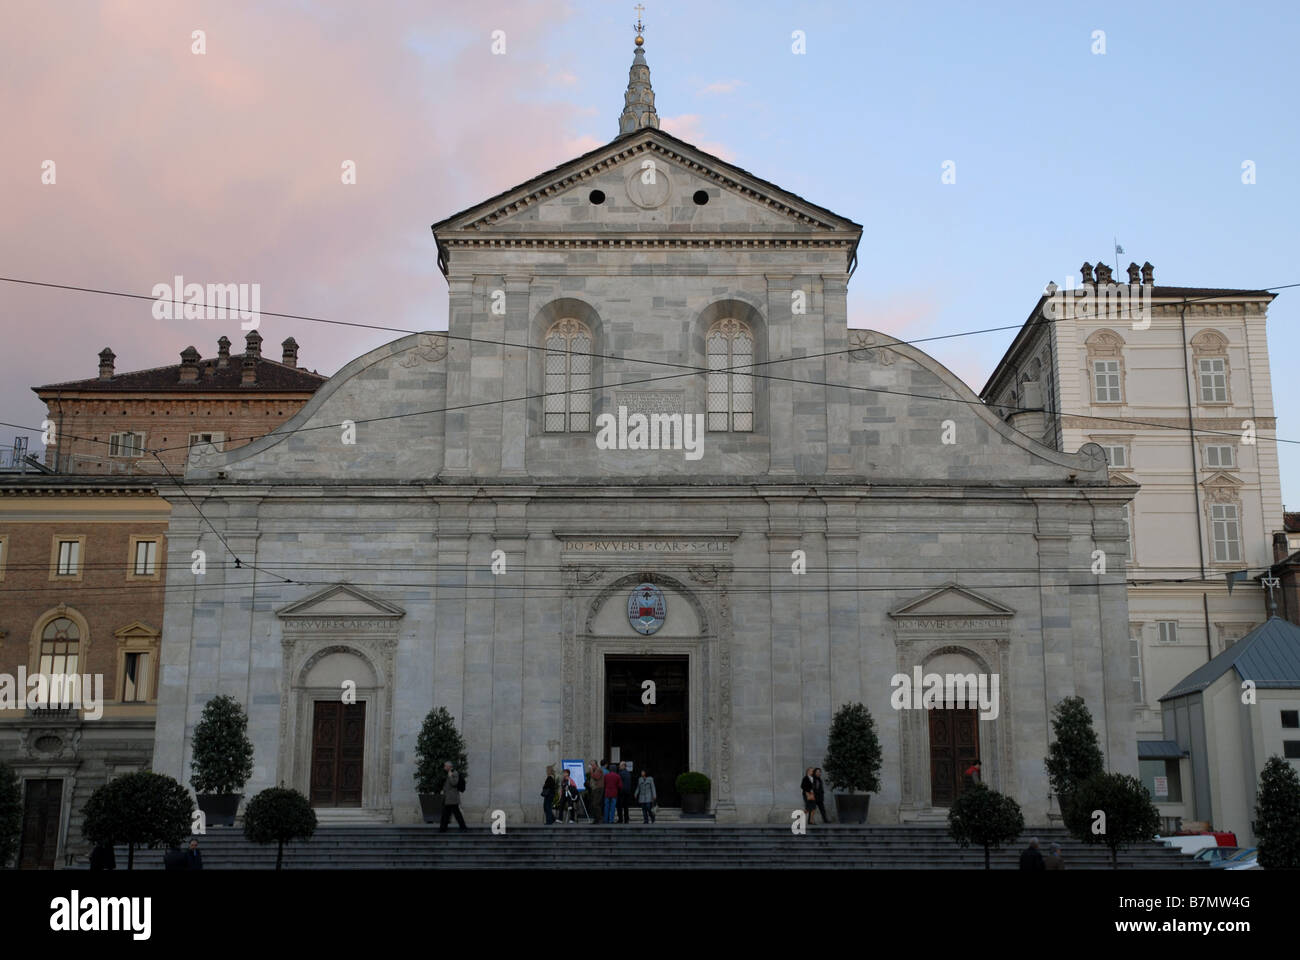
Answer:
(639, 101)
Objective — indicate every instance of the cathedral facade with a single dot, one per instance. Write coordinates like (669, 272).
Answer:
(648, 448)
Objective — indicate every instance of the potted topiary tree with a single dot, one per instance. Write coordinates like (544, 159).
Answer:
(223, 759)
(11, 814)
(139, 809)
(853, 761)
(279, 815)
(694, 790)
(985, 818)
(439, 742)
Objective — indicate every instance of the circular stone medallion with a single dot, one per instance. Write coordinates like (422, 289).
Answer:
(646, 609)
(647, 184)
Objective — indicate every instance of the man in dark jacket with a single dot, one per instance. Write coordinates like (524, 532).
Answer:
(102, 857)
(193, 857)
(451, 798)
(625, 795)
(1032, 859)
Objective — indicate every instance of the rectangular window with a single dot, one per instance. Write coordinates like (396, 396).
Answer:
(1214, 379)
(1105, 377)
(216, 439)
(1225, 532)
(1219, 455)
(135, 683)
(69, 558)
(1168, 630)
(1116, 454)
(1291, 749)
(146, 557)
(1291, 719)
(126, 445)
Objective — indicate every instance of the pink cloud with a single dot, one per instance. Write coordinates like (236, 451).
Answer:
(226, 167)
(721, 87)
(686, 126)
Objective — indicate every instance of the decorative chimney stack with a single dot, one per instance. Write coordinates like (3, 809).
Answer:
(1133, 273)
(189, 365)
(106, 358)
(290, 348)
(1103, 273)
(1148, 273)
(223, 352)
(252, 352)
(1086, 269)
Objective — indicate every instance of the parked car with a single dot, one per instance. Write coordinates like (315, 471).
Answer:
(1246, 863)
(1189, 844)
(1216, 855)
(1245, 855)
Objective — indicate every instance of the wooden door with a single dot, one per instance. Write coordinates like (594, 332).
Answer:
(337, 751)
(41, 811)
(954, 746)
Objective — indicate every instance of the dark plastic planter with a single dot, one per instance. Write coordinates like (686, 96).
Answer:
(695, 803)
(431, 807)
(852, 807)
(219, 809)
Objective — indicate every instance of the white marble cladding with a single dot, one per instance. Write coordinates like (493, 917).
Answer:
(518, 657)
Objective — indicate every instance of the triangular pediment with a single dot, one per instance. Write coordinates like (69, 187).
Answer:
(341, 601)
(952, 600)
(1221, 479)
(1121, 479)
(557, 201)
(136, 629)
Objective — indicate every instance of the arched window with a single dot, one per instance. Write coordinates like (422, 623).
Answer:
(568, 377)
(59, 655)
(730, 347)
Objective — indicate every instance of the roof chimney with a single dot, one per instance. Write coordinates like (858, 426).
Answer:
(290, 352)
(1086, 269)
(249, 372)
(189, 365)
(253, 344)
(106, 358)
(1148, 273)
(1133, 273)
(223, 352)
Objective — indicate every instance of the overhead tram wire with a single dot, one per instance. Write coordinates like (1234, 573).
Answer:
(690, 370)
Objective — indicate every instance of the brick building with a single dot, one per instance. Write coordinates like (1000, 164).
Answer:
(106, 424)
(82, 565)
(81, 592)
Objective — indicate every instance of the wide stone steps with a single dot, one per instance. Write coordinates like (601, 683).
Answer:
(679, 846)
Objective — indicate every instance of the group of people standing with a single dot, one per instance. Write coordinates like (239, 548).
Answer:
(814, 794)
(610, 791)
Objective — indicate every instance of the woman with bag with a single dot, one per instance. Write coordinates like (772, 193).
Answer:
(548, 795)
(809, 797)
(646, 796)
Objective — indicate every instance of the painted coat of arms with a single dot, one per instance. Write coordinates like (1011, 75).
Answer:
(646, 608)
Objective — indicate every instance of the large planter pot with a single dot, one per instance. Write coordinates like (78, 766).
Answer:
(852, 807)
(219, 809)
(695, 803)
(431, 807)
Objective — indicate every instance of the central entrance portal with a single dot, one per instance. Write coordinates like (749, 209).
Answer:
(654, 736)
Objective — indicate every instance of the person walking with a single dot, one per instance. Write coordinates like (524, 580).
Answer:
(819, 793)
(569, 798)
(809, 798)
(596, 792)
(1054, 860)
(193, 856)
(1032, 858)
(548, 795)
(451, 797)
(613, 787)
(646, 796)
(625, 793)
(102, 857)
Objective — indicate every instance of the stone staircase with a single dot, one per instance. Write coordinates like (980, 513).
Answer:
(682, 845)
